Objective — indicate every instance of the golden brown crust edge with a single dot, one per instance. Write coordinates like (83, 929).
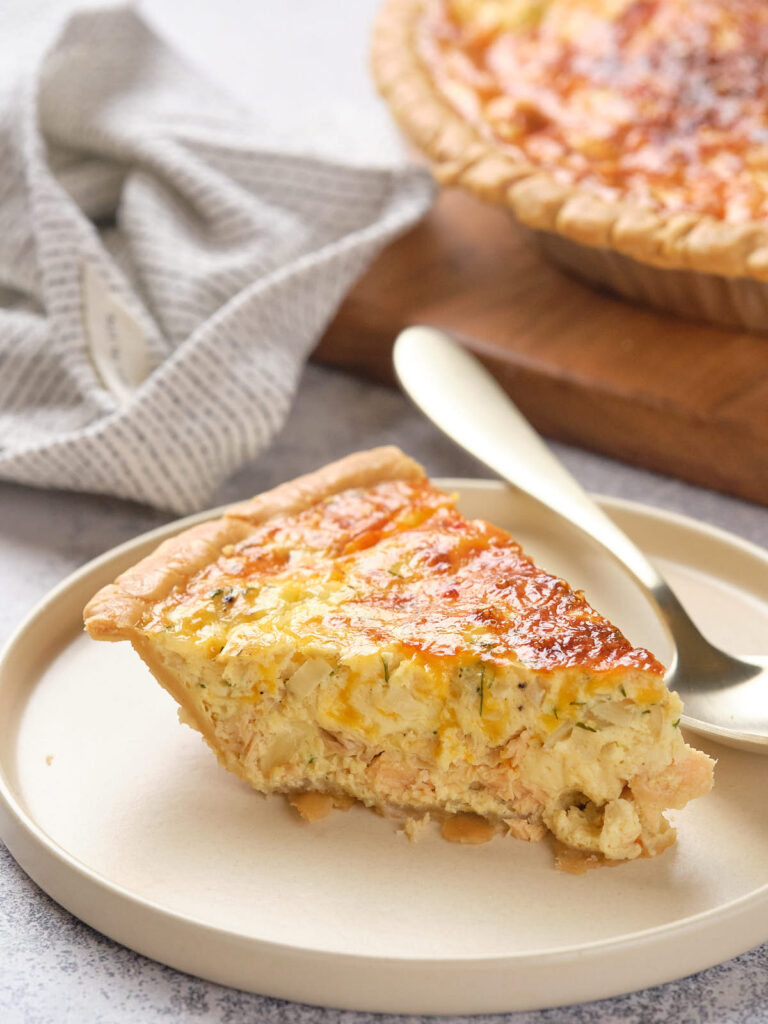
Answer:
(462, 156)
(117, 610)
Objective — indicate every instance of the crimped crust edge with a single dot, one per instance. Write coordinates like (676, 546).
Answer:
(462, 156)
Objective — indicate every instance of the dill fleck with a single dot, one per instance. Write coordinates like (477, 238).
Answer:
(394, 572)
(311, 760)
(386, 670)
(482, 688)
(578, 703)
(521, 686)
(554, 712)
(215, 593)
(583, 725)
(201, 685)
(646, 712)
(676, 724)
(622, 691)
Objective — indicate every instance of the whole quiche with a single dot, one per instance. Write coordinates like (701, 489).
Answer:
(632, 133)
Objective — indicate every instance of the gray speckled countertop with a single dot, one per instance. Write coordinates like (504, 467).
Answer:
(54, 969)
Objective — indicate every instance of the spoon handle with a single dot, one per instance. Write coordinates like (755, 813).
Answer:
(462, 398)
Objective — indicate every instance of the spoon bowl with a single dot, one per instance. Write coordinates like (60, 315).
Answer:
(725, 695)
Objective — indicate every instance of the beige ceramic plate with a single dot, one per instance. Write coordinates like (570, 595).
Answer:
(124, 817)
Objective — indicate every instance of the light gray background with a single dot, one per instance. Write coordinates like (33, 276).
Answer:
(55, 969)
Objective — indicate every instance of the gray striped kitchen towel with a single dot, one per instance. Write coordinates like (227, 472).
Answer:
(163, 272)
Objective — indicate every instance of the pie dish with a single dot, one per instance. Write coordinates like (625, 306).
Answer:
(351, 636)
(631, 135)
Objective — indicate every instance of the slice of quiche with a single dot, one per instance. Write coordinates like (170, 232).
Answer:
(351, 635)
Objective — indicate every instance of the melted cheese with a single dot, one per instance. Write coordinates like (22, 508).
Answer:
(660, 101)
(396, 568)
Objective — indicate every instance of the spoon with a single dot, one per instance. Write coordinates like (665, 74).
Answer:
(725, 696)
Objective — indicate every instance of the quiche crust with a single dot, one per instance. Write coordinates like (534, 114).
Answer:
(462, 155)
(350, 636)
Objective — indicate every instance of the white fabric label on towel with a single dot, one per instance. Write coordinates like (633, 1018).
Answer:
(117, 343)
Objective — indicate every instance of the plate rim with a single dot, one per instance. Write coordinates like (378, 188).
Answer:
(20, 827)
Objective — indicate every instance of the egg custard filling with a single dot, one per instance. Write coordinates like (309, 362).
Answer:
(351, 636)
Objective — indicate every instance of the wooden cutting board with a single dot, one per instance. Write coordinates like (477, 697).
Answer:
(678, 397)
